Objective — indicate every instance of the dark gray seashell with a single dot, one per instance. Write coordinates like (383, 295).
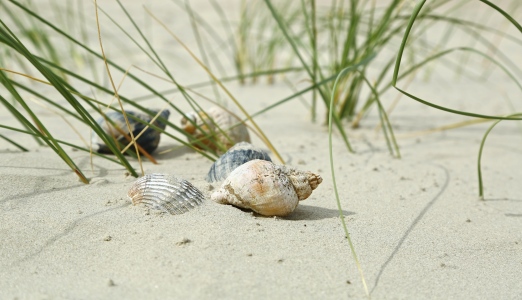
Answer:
(149, 140)
(165, 192)
(236, 156)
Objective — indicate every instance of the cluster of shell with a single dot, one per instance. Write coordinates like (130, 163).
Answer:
(113, 124)
(266, 188)
(214, 129)
(251, 181)
(248, 177)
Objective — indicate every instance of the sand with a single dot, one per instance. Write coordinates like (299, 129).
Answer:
(417, 224)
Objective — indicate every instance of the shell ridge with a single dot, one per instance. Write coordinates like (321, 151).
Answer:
(236, 156)
(166, 193)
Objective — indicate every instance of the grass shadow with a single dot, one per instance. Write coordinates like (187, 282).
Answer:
(68, 229)
(412, 226)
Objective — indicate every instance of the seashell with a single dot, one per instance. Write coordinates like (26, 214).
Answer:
(215, 128)
(239, 154)
(165, 192)
(149, 140)
(266, 188)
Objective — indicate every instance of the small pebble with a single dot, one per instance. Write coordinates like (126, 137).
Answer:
(107, 238)
(110, 282)
(183, 241)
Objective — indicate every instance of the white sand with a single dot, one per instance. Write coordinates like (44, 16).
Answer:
(417, 224)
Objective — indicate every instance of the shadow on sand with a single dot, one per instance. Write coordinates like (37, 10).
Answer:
(309, 212)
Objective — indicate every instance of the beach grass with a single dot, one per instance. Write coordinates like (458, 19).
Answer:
(63, 78)
(351, 54)
(469, 51)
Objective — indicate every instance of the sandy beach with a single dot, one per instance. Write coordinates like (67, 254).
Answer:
(417, 224)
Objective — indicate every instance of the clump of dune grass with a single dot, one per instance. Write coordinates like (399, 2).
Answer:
(34, 60)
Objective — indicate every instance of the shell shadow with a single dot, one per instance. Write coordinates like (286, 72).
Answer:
(309, 212)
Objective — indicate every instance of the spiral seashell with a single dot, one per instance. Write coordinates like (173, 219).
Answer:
(266, 188)
(166, 193)
(215, 128)
(149, 140)
(239, 154)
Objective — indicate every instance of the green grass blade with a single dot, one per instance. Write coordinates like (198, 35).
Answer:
(332, 168)
(60, 142)
(505, 70)
(289, 39)
(13, 142)
(42, 133)
(479, 160)
(387, 128)
(505, 14)
(56, 82)
(408, 28)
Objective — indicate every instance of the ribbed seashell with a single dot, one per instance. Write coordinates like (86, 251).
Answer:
(266, 188)
(165, 192)
(149, 140)
(236, 156)
(215, 128)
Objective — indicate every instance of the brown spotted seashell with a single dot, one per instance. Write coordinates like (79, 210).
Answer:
(236, 156)
(266, 188)
(166, 193)
(215, 128)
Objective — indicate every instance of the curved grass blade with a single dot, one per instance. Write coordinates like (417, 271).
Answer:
(412, 19)
(339, 207)
(505, 14)
(510, 75)
(479, 160)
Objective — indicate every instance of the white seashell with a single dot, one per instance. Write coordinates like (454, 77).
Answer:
(239, 154)
(266, 188)
(216, 127)
(166, 193)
